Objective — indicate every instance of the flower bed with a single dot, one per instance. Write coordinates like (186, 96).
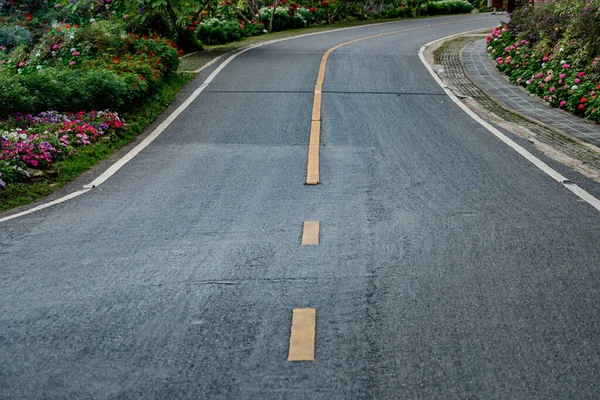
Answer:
(37, 141)
(552, 49)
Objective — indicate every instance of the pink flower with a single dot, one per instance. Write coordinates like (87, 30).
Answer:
(125, 16)
(548, 78)
(75, 53)
(552, 89)
(57, 5)
(55, 47)
(580, 74)
(21, 64)
(577, 80)
(566, 66)
(562, 103)
(72, 63)
(562, 76)
(545, 58)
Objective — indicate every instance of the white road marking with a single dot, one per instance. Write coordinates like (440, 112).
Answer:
(46, 205)
(581, 193)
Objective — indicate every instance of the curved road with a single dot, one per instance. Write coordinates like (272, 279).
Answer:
(448, 265)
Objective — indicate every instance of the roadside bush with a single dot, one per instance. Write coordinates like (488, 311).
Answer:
(284, 19)
(95, 67)
(221, 32)
(446, 7)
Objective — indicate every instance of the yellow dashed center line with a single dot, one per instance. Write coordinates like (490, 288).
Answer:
(302, 338)
(312, 170)
(310, 234)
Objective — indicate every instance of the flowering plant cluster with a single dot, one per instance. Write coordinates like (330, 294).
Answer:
(37, 141)
(559, 61)
(92, 67)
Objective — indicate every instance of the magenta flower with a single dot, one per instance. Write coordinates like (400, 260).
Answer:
(562, 103)
(552, 89)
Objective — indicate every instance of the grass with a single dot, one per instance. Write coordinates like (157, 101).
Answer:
(65, 171)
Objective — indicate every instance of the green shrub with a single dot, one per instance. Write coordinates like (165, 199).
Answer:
(283, 20)
(64, 89)
(13, 36)
(221, 32)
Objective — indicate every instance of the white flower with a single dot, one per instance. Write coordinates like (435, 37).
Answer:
(92, 19)
(561, 49)
(543, 65)
(37, 54)
(562, 62)
(73, 49)
(574, 87)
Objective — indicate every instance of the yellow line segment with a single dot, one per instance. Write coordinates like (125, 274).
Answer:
(310, 234)
(302, 338)
(312, 174)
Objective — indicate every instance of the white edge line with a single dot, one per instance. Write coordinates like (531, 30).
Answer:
(46, 205)
(581, 193)
(161, 128)
(208, 64)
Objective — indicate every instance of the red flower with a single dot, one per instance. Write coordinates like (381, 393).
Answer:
(581, 106)
(583, 100)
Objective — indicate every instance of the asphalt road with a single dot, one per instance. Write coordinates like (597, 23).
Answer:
(448, 265)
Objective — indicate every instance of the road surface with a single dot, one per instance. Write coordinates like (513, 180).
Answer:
(448, 266)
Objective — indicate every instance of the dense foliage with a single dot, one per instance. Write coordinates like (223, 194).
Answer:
(553, 49)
